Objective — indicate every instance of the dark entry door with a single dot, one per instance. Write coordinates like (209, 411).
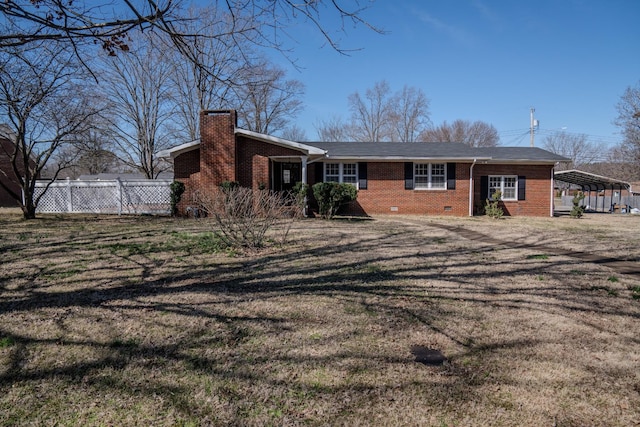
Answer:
(286, 175)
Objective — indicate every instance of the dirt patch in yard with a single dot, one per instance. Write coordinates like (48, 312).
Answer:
(391, 321)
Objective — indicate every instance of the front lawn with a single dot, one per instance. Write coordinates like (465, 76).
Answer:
(151, 321)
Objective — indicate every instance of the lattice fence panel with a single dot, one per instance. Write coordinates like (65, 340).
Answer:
(92, 199)
(144, 197)
(53, 201)
(105, 197)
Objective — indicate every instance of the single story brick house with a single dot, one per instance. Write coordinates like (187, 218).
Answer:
(401, 178)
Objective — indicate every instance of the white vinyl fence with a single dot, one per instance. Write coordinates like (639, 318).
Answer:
(149, 196)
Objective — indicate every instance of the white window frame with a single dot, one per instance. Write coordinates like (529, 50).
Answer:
(430, 184)
(341, 173)
(500, 185)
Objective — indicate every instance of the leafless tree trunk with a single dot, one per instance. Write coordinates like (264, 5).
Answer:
(139, 90)
(575, 147)
(473, 134)
(207, 82)
(47, 108)
(380, 116)
(267, 102)
(333, 129)
(370, 117)
(629, 121)
(409, 114)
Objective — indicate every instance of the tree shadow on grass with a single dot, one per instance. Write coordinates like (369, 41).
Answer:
(400, 278)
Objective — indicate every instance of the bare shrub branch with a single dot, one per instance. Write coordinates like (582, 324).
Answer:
(248, 218)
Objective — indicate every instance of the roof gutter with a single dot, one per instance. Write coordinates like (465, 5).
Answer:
(471, 187)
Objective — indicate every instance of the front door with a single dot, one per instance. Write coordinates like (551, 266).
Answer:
(286, 175)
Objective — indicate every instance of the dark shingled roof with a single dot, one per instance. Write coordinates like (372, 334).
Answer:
(395, 150)
(432, 150)
(521, 153)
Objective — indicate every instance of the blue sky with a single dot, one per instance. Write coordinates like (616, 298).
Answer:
(483, 60)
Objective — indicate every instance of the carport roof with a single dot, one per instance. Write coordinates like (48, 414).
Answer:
(589, 180)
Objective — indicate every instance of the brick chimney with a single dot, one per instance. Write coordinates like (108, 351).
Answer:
(217, 146)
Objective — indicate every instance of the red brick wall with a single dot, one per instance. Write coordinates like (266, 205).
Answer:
(223, 157)
(217, 147)
(385, 191)
(538, 188)
(253, 161)
(186, 164)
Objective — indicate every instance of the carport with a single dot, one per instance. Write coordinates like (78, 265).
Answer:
(588, 183)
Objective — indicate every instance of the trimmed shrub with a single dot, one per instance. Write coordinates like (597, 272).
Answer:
(331, 196)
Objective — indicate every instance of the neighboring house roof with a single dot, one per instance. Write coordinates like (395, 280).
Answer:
(586, 179)
(122, 176)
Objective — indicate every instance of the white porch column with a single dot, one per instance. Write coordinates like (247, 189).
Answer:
(304, 168)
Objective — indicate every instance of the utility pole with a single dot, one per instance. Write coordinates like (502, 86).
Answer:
(531, 126)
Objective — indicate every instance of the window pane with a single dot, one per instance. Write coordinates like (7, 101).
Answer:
(509, 191)
(421, 182)
(421, 169)
(332, 168)
(349, 179)
(332, 172)
(437, 175)
(349, 169)
(437, 182)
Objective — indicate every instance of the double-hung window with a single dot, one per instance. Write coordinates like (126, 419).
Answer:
(430, 175)
(507, 185)
(346, 173)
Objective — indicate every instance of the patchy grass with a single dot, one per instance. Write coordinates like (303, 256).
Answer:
(151, 321)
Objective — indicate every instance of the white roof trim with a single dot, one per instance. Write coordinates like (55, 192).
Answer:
(281, 142)
(182, 148)
(188, 146)
(407, 159)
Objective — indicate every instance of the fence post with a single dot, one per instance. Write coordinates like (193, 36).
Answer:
(119, 185)
(69, 196)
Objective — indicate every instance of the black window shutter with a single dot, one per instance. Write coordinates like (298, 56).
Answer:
(408, 176)
(521, 187)
(319, 172)
(362, 175)
(451, 176)
(484, 188)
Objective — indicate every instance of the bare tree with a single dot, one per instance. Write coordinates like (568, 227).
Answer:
(473, 134)
(629, 121)
(333, 130)
(139, 91)
(618, 163)
(267, 101)
(294, 133)
(208, 81)
(409, 114)
(46, 107)
(380, 115)
(575, 147)
(109, 23)
(92, 154)
(370, 116)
